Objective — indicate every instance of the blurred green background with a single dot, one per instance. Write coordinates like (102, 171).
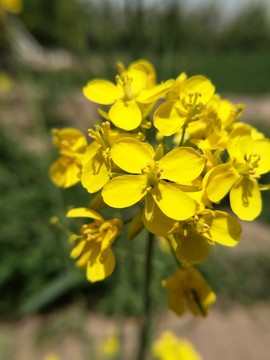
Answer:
(47, 54)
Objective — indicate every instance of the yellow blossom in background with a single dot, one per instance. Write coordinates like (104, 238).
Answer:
(188, 290)
(5, 82)
(66, 171)
(169, 347)
(109, 346)
(52, 356)
(92, 247)
(10, 6)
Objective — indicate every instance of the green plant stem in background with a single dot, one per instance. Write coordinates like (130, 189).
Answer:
(145, 321)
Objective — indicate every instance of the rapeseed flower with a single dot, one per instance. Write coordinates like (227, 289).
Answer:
(187, 290)
(66, 171)
(168, 346)
(158, 180)
(133, 95)
(248, 160)
(97, 166)
(199, 233)
(192, 239)
(187, 106)
(92, 247)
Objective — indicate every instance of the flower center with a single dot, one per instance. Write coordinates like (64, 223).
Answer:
(248, 167)
(125, 83)
(194, 107)
(101, 134)
(153, 173)
(197, 222)
(91, 232)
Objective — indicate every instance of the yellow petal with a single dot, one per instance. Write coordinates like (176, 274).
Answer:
(95, 173)
(220, 180)
(167, 119)
(132, 155)
(77, 250)
(192, 248)
(139, 80)
(102, 92)
(84, 212)
(90, 152)
(245, 199)
(173, 202)
(176, 303)
(99, 271)
(224, 229)
(64, 174)
(154, 93)
(260, 148)
(149, 207)
(181, 165)
(125, 115)
(73, 139)
(159, 223)
(146, 67)
(124, 190)
(199, 85)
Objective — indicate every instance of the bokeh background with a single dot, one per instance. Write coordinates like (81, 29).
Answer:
(48, 51)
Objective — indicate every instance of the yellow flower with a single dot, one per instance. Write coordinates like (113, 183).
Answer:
(5, 82)
(248, 160)
(218, 117)
(109, 346)
(194, 237)
(134, 89)
(97, 166)
(187, 290)
(202, 231)
(153, 176)
(96, 162)
(92, 248)
(12, 6)
(52, 357)
(170, 347)
(188, 106)
(72, 144)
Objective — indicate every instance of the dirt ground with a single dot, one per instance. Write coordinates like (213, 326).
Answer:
(240, 333)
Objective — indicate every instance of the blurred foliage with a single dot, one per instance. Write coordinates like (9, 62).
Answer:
(249, 31)
(93, 26)
(58, 23)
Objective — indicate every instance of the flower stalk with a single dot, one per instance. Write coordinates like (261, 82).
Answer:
(146, 319)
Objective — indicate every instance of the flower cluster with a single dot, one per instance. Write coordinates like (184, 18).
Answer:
(172, 151)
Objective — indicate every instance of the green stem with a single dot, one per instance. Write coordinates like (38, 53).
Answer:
(145, 323)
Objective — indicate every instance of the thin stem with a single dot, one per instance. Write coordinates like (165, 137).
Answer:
(145, 323)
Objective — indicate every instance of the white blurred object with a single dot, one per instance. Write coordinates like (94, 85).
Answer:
(30, 53)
